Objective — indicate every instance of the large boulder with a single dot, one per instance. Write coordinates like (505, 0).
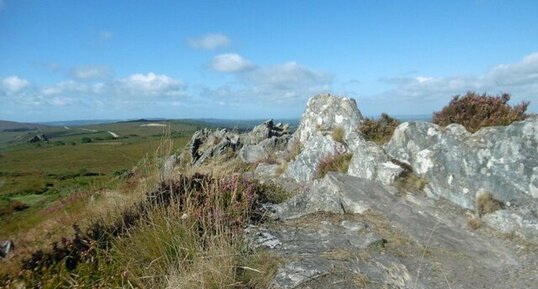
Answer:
(326, 112)
(317, 147)
(371, 162)
(206, 144)
(265, 149)
(458, 165)
(266, 130)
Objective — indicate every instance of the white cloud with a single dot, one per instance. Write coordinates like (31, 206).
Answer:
(209, 41)
(91, 72)
(136, 88)
(152, 84)
(230, 62)
(281, 83)
(14, 83)
(520, 79)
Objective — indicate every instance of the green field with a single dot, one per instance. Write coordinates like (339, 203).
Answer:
(74, 159)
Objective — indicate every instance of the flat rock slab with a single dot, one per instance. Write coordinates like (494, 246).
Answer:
(360, 234)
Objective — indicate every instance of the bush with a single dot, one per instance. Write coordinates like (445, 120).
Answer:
(333, 163)
(486, 204)
(475, 111)
(85, 140)
(379, 131)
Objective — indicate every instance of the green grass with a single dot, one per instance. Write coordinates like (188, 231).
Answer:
(37, 176)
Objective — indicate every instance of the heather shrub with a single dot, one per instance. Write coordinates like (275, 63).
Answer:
(379, 131)
(475, 111)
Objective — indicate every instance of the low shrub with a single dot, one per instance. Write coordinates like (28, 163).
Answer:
(408, 181)
(379, 131)
(85, 140)
(486, 204)
(475, 111)
(333, 163)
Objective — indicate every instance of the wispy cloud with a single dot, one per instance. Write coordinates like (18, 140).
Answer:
(106, 35)
(209, 41)
(230, 62)
(520, 79)
(281, 83)
(136, 88)
(88, 72)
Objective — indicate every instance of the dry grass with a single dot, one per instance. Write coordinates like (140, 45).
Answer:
(408, 181)
(338, 134)
(474, 223)
(379, 131)
(333, 163)
(486, 204)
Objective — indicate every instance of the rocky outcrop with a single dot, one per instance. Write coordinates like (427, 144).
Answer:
(323, 114)
(346, 228)
(316, 148)
(254, 146)
(206, 144)
(38, 138)
(371, 162)
(326, 112)
(459, 165)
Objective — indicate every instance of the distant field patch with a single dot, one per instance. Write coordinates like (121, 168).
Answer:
(153, 124)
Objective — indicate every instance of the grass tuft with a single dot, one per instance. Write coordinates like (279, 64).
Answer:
(333, 163)
(486, 204)
(338, 134)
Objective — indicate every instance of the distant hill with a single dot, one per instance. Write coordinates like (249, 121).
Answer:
(79, 122)
(13, 126)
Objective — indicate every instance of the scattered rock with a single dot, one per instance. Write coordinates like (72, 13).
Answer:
(168, 166)
(5, 248)
(38, 138)
(254, 146)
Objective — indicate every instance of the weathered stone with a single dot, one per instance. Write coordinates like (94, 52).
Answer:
(38, 138)
(371, 162)
(316, 148)
(264, 150)
(5, 248)
(266, 170)
(458, 164)
(168, 166)
(326, 112)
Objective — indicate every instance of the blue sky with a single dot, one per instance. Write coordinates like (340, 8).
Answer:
(65, 60)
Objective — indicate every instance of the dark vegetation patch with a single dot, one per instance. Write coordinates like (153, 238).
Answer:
(408, 181)
(379, 131)
(475, 111)
(333, 163)
(209, 204)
